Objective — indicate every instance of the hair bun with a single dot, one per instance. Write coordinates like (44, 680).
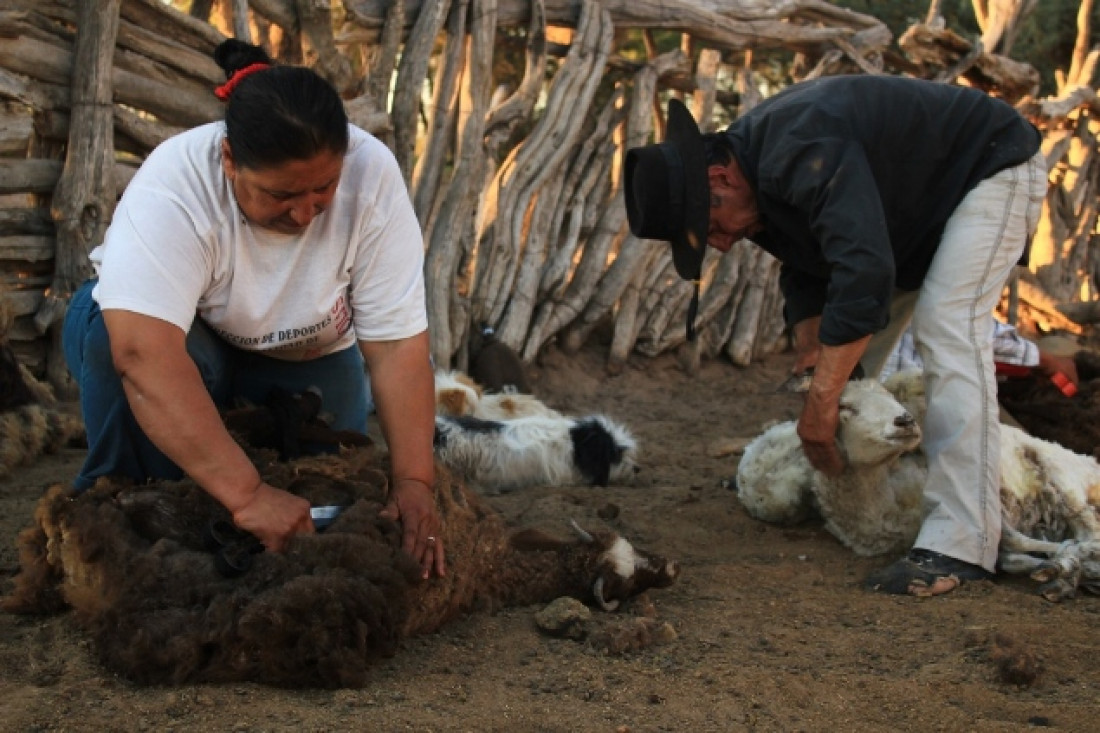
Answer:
(233, 55)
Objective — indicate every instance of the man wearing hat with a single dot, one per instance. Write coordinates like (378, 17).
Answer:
(887, 200)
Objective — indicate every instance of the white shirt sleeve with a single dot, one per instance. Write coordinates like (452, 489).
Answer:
(387, 277)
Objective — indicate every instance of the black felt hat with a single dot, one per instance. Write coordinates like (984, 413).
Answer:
(667, 193)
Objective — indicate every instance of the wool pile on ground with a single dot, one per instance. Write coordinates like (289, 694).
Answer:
(133, 564)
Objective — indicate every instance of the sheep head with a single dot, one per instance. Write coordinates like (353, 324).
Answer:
(874, 427)
(624, 570)
(598, 566)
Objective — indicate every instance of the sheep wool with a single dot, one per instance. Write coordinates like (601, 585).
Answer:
(1050, 496)
(132, 562)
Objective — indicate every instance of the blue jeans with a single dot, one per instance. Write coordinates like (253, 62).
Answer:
(117, 446)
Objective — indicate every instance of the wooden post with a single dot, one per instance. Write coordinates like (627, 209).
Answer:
(84, 199)
(411, 72)
(241, 29)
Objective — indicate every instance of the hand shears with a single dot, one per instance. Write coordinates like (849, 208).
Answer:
(233, 547)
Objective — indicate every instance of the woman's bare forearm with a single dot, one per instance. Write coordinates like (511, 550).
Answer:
(172, 407)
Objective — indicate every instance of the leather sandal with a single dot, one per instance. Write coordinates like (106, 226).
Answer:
(924, 573)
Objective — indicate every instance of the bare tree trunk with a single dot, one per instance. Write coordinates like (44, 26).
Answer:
(517, 324)
(411, 73)
(384, 61)
(805, 25)
(999, 21)
(453, 228)
(315, 21)
(441, 120)
(1078, 63)
(85, 196)
(1063, 238)
(509, 114)
(619, 276)
(181, 103)
(746, 328)
(282, 13)
(242, 30)
(935, 13)
(626, 324)
(200, 9)
(536, 160)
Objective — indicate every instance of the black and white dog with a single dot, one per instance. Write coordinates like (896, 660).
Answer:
(538, 450)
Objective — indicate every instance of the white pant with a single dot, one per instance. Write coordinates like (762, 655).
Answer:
(982, 241)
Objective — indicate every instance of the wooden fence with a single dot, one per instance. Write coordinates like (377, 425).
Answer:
(509, 119)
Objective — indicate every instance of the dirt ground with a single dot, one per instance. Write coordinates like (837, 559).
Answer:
(773, 630)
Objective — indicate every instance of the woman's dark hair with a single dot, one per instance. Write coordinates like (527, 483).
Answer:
(280, 113)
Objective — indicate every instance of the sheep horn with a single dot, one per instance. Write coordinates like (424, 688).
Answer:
(597, 590)
(585, 536)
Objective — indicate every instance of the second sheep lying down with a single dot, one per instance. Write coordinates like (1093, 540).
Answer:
(1050, 496)
(130, 561)
(503, 442)
(504, 455)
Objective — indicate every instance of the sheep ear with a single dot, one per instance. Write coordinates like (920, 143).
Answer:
(597, 591)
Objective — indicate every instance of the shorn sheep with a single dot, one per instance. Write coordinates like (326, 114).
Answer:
(1050, 495)
(131, 561)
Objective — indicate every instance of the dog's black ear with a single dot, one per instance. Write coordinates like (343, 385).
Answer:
(594, 450)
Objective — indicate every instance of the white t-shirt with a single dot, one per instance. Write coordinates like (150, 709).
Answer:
(179, 246)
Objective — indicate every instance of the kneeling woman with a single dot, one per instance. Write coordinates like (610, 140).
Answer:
(278, 248)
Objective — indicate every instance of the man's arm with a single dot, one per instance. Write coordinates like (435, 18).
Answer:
(820, 415)
(403, 387)
(171, 404)
(807, 347)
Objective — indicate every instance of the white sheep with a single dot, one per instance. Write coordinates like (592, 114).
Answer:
(1049, 495)
(873, 507)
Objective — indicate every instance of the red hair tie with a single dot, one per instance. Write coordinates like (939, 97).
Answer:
(227, 88)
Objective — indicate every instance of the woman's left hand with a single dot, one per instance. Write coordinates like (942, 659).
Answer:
(412, 504)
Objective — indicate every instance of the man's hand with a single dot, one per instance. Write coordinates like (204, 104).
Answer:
(274, 516)
(821, 412)
(817, 430)
(412, 503)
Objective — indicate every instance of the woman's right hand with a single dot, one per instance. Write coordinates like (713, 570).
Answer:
(274, 516)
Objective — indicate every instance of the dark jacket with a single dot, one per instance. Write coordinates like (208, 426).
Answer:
(856, 177)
